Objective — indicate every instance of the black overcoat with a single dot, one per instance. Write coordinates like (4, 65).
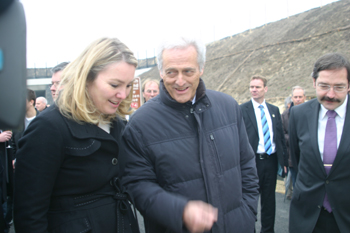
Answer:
(64, 177)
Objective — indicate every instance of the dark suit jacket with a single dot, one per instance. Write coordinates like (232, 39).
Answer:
(312, 180)
(253, 133)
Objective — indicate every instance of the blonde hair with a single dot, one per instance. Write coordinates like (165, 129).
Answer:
(149, 80)
(74, 101)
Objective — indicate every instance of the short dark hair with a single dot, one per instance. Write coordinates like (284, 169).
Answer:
(59, 67)
(31, 95)
(331, 61)
(263, 79)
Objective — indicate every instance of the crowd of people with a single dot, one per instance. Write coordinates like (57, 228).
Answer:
(189, 159)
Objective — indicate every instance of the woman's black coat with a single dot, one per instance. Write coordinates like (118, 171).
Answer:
(64, 180)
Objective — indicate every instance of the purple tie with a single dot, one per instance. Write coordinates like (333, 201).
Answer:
(330, 149)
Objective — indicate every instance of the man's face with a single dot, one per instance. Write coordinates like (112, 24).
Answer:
(181, 73)
(331, 99)
(55, 81)
(39, 104)
(151, 90)
(257, 90)
(298, 97)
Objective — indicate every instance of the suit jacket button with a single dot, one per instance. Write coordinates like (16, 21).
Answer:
(319, 206)
(327, 181)
(114, 161)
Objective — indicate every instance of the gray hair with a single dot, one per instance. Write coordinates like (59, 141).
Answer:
(287, 100)
(182, 43)
(43, 99)
(298, 87)
(59, 67)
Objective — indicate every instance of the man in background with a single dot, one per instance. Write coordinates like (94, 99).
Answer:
(150, 89)
(298, 97)
(265, 133)
(319, 132)
(41, 103)
(56, 79)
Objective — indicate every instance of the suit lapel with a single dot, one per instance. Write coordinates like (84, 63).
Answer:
(251, 114)
(344, 146)
(312, 121)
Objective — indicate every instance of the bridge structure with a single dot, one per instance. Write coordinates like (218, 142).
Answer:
(39, 79)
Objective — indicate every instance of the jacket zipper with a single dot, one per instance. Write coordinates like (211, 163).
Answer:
(217, 159)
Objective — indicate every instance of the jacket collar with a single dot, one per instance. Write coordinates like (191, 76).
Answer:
(201, 98)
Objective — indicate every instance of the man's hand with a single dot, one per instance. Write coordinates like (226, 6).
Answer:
(199, 216)
(5, 136)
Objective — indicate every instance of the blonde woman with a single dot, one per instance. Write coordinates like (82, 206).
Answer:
(67, 164)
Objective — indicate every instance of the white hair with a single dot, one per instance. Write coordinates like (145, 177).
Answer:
(42, 99)
(182, 43)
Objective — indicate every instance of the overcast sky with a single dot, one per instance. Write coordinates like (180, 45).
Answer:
(59, 30)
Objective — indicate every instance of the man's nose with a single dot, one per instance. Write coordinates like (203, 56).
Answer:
(180, 80)
(331, 93)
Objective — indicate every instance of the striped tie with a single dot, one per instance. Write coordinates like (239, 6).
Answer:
(266, 131)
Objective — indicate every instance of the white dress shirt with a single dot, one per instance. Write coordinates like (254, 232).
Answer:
(261, 146)
(322, 122)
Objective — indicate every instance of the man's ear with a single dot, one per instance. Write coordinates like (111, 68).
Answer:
(201, 72)
(314, 82)
(32, 102)
(160, 74)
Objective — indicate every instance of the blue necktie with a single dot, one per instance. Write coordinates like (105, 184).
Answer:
(266, 131)
(330, 149)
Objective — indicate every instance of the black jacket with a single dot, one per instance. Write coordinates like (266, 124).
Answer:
(253, 133)
(64, 173)
(180, 152)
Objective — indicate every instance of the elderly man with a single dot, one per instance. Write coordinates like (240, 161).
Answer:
(150, 89)
(319, 132)
(56, 79)
(41, 103)
(195, 171)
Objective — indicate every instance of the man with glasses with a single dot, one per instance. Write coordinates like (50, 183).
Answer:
(56, 79)
(319, 132)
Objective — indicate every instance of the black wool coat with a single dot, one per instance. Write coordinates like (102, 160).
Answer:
(64, 179)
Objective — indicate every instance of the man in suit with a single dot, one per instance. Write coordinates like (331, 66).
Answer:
(264, 129)
(319, 132)
(56, 79)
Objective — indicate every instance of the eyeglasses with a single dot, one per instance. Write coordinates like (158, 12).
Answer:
(56, 84)
(325, 87)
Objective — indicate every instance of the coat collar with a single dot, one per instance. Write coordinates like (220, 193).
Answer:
(202, 100)
(88, 131)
